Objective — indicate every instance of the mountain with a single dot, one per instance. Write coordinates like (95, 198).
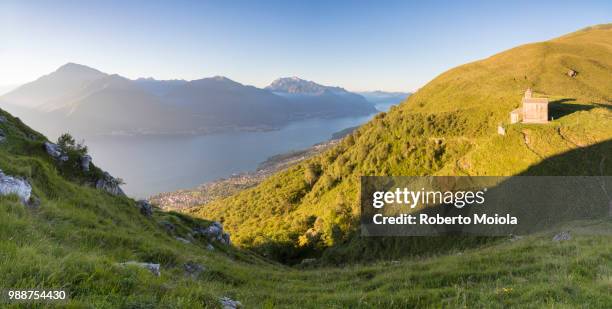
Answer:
(221, 101)
(448, 127)
(314, 99)
(384, 100)
(159, 87)
(69, 79)
(87, 102)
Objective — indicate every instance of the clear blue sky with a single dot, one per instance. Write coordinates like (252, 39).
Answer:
(360, 45)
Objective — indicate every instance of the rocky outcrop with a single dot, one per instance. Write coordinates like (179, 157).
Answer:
(153, 268)
(563, 236)
(55, 152)
(214, 232)
(85, 161)
(2, 136)
(110, 184)
(2, 119)
(146, 209)
(15, 185)
(228, 303)
(193, 269)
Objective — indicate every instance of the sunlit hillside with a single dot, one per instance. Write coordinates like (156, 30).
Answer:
(449, 127)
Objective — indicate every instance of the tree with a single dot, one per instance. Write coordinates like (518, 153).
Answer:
(311, 173)
(68, 145)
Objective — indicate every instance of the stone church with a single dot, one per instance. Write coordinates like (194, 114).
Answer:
(533, 110)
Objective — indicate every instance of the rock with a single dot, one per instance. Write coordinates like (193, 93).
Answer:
(153, 268)
(501, 130)
(168, 226)
(14, 185)
(34, 202)
(214, 232)
(210, 247)
(55, 152)
(562, 236)
(146, 209)
(109, 184)
(2, 136)
(183, 240)
(308, 261)
(228, 303)
(193, 269)
(85, 161)
(2, 119)
(572, 73)
(514, 238)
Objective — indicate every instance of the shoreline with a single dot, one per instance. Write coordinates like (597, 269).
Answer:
(185, 199)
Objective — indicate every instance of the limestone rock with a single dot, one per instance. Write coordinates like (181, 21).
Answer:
(562, 236)
(153, 268)
(146, 209)
(15, 185)
(572, 73)
(85, 161)
(214, 232)
(228, 303)
(55, 152)
(193, 269)
(109, 184)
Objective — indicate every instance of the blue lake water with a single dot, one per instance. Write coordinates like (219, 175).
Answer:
(152, 165)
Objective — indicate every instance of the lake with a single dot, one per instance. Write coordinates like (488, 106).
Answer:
(151, 165)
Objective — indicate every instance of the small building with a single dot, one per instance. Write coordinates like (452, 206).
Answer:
(533, 110)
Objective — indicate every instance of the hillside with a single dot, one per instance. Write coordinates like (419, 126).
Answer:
(448, 127)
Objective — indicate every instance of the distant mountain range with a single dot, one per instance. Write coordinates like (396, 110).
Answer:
(86, 101)
(314, 99)
(383, 100)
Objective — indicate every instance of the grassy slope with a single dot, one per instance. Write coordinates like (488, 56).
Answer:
(447, 128)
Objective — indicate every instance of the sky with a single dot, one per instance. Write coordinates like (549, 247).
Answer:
(359, 45)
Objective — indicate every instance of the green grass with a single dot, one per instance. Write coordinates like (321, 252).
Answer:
(76, 237)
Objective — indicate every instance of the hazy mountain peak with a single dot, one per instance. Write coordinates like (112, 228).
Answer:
(75, 68)
(221, 78)
(297, 85)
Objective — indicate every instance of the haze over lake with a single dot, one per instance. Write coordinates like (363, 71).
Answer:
(154, 164)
